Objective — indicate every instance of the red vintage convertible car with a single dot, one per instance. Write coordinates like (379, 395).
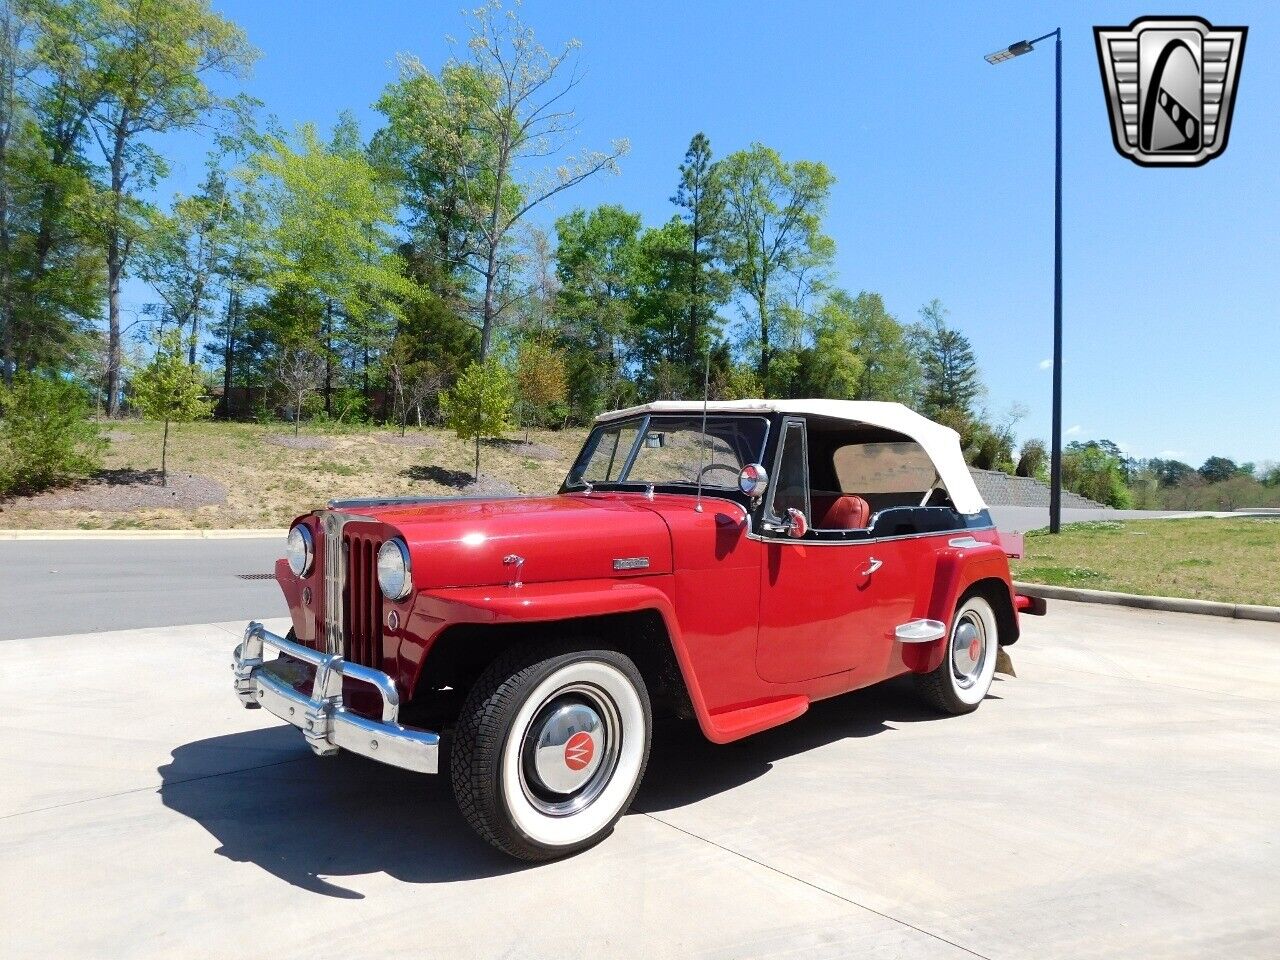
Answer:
(673, 574)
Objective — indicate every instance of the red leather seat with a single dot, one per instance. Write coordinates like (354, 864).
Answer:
(840, 511)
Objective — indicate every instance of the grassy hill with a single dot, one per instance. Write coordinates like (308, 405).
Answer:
(249, 475)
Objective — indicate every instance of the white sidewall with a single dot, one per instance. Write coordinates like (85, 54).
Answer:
(978, 690)
(568, 830)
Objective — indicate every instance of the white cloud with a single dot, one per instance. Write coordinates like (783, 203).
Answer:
(1046, 363)
(1074, 430)
(1125, 446)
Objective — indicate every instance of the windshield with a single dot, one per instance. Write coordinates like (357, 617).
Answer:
(670, 450)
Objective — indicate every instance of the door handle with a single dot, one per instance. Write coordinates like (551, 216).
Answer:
(872, 566)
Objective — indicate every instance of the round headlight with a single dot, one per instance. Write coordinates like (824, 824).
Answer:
(301, 550)
(393, 570)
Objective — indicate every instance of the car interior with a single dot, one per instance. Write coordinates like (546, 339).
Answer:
(844, 477)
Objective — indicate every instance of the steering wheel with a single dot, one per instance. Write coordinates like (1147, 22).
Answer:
(719, 466)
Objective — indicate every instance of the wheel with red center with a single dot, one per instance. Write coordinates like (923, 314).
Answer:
(550, 748)
(963, 678)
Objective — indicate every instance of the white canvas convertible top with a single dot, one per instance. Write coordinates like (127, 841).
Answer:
(942, 444)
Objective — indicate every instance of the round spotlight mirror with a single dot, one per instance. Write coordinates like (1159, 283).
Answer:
(753, 480)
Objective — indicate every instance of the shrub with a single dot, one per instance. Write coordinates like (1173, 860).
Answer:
(170, 390)
(46, 435)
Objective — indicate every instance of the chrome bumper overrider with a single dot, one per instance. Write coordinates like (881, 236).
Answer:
(322, 718)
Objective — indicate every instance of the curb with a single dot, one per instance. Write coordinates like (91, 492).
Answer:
(1212, 608)
(246, 534)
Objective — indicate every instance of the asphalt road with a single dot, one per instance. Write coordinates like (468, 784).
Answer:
(76, 586)
(1117, 799)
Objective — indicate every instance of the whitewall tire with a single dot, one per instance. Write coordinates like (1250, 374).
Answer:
(962, 680)
(550, 749)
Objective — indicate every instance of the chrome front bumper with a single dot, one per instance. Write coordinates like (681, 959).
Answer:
(322, 718)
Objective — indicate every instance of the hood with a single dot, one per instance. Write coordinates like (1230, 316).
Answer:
(463, 542)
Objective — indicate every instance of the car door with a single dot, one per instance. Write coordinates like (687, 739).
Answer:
(826, 606)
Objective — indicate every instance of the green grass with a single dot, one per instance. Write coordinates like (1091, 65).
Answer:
(1231, 560)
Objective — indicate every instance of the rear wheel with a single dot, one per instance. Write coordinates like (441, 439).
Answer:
(550, 748)
(963, 678)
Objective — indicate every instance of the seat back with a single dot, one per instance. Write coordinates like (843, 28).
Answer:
(839, 511)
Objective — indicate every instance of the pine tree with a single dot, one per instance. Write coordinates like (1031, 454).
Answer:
(950, 370)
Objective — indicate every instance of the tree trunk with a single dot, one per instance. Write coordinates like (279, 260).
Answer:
(229, 355)
(762, 304)
(116, 256)
(490, 294)
(328, 358)
(477, 472)
(164, 455)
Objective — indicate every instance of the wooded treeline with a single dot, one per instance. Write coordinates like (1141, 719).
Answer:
(360, 275)
(355, 275)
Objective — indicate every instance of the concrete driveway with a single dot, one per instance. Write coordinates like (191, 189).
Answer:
(1120, 798)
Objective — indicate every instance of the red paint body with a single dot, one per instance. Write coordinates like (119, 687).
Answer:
(759, 627)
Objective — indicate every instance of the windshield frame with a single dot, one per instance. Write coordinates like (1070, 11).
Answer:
(643, 421)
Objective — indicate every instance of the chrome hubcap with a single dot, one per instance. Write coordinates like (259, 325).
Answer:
(569, 750)
(968, 649)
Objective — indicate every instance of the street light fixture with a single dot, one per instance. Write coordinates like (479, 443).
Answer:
(1055, 457)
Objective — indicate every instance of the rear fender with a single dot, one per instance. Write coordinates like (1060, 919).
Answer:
(957, 569)
(535, 603)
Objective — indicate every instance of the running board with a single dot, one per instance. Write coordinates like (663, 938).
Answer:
(920, 631)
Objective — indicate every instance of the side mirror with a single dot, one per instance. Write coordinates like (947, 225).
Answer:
(753, 480)
(798, 525)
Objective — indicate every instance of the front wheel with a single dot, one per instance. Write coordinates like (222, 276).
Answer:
(549, 750)
(963, 678)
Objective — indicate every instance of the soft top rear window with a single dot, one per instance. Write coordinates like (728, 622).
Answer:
(884, 467)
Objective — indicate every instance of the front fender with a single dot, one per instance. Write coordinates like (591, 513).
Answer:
(956, 570)
(546, 602)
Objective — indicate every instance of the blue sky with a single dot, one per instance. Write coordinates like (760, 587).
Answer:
(945, 178)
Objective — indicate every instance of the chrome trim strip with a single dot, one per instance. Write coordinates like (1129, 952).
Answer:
(847, 543)
(920, 631)
(323, 719)
(963, 542)
(333, 522)
(360, 502)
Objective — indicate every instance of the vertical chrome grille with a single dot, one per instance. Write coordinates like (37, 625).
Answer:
(352, 601)
(362, 599)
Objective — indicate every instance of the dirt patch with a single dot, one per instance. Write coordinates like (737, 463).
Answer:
(117, 436)
(298, 443)
(420, 440)
(535, 451)
(119, 490)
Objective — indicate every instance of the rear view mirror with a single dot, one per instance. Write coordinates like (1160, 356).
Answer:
(798, 525)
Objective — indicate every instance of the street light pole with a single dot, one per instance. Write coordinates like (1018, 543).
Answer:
(1055, 455)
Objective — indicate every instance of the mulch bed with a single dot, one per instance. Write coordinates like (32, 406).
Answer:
(120, 490)
(298, 443)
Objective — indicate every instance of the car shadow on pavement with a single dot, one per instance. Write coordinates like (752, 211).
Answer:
(268, 801)
(685, 767)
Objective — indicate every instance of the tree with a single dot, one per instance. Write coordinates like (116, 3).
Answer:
(1169, 472)
(701, 200)
(182, 258)
(48, 265)
(1090, 471)
(772, 230)
(479, 405)
(597, 254)
(1031, 463)
(859, 352)
(46, 434)
(949, 368)
(325, 241)
(171, 390)
(298, 371)
(150, 60)
(1218, 469)
(517, 117)
(540, 382)
(411, 381)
